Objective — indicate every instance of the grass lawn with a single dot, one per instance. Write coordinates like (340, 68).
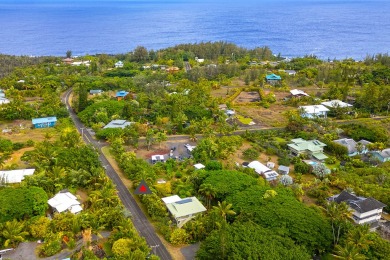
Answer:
(244, 120)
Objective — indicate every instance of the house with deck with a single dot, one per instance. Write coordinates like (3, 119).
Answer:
(272, 79)
(314, 111)
(44, 122)
(183, 210)
(364, 210)
(312, 148)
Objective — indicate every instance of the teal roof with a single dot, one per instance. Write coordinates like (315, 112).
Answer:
(185, 207)
(273, 77)
(44, 120)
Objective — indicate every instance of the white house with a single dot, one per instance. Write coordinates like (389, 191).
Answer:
(298, 93)
(183, 210)
(64, 201)
(383, 155)
(336, 103)
(15, 176)
(119, 64)
(364, 210)
(261, 169)
(158, 158)
(199, 60)
(314, 111)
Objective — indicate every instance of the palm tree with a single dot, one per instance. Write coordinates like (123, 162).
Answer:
(359, 237)
(224, 209)
(13, 232)
(207, 190)
(338, 214)
(349, 252)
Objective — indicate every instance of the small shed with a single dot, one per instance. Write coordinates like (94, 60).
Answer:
(44, 122)
(283, 169)
(270, 165)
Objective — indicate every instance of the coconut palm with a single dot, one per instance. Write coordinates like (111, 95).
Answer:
(359, 236)
(338, 214)
(224, 209)
(349, 252)
(13, 232)
(207, 190)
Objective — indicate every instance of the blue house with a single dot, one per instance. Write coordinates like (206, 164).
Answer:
(121, 94)
(273, 78)
(44, 122)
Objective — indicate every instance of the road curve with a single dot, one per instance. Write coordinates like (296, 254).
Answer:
(141, 223)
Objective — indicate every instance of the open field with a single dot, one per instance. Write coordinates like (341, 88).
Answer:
(25, 133)
(270, 117)
(15, 158)
(246, 97)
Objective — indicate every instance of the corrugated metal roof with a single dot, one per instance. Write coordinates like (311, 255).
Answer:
(44, 120)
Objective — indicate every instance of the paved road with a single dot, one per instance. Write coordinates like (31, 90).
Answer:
(141, 223)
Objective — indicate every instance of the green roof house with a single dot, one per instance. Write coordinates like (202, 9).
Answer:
(273, 79)
(312, 148)
(183, 210)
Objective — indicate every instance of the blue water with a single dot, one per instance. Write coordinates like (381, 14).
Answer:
(326, 28)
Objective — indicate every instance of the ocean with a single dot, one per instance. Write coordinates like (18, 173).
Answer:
(325, 28)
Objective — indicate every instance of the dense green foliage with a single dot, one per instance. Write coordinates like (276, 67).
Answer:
(22, 203)
(250, 241)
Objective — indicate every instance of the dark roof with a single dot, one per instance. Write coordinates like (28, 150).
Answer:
(366, 205)
(345, 196)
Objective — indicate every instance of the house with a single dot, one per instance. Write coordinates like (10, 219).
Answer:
(353, 146)
(230, 112)
(189, 147)
(65, 201)
(364, 210)
(261, 169)
(95, 91)
(382, 156)
(313, 111)
(298, 93)
(312, 148)
(199, 60)
(67, 60)
(117, 124)
(336, 104)
(119, 64)
(44, 122)
(284, 170)
(15, 176)
(183, 210)
(4, 100)
(273, 79)
(290, 72)
(199, 166)
(121, 94)
(157, 158)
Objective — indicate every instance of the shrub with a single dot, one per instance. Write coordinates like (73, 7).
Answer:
(213, 165)
(284, 161)
(250, 154)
